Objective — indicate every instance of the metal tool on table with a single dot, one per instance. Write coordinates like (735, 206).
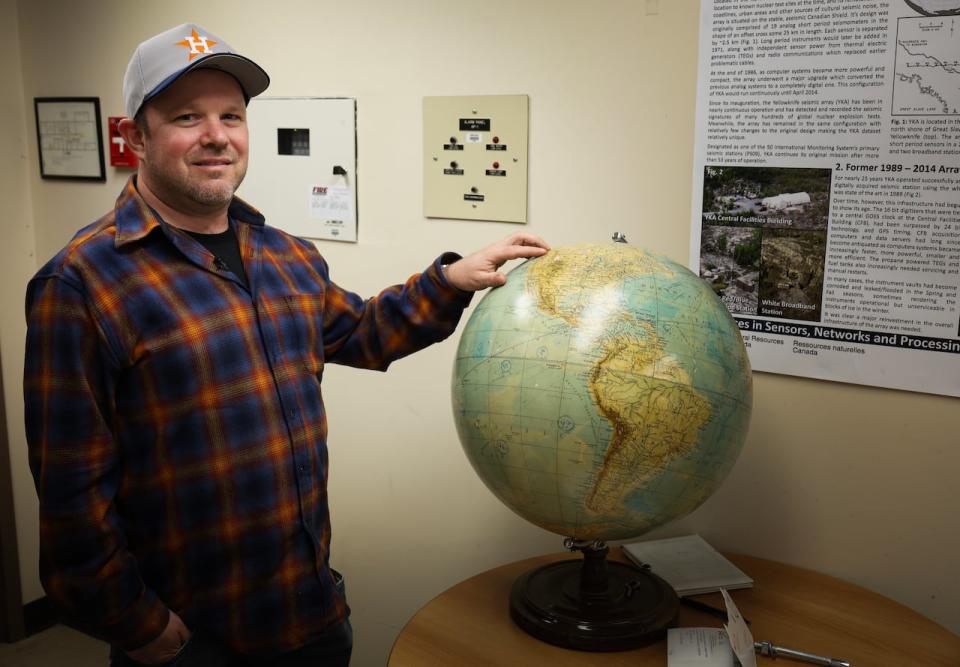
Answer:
(769, 650)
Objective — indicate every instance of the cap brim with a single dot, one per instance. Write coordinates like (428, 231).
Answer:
(251, 77)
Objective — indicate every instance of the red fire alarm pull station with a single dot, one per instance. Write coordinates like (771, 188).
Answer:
(120, 155)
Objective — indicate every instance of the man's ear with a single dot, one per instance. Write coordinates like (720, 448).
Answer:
(133, 136)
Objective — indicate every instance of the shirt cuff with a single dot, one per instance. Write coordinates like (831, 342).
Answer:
(446, 259)
(142, 623)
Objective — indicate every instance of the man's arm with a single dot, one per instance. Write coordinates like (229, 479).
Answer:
(426, 309)
(69, 384)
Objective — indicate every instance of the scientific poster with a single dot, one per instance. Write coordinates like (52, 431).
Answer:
(826, 198)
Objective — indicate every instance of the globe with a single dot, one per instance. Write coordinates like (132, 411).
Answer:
(603, 391)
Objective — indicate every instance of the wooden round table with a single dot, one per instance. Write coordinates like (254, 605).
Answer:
(469, 624)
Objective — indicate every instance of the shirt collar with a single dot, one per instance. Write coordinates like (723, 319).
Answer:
(135, 219)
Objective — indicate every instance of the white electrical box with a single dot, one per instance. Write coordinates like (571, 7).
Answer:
(475, 157)
(303, 165)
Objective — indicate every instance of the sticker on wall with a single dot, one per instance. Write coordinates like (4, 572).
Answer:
(334, 206)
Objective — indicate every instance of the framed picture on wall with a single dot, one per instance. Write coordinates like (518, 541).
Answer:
(69, 138)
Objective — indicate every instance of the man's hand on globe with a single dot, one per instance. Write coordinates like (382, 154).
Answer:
(479, 270)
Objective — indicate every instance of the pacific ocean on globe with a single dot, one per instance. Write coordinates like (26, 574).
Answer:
(603, 391)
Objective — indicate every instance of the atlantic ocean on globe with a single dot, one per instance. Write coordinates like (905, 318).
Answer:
(603, 391)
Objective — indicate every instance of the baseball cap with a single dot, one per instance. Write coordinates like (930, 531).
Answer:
(164, 58)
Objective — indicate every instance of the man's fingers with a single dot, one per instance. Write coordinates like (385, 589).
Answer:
(479, 270)
(527, 239)
(501, 255)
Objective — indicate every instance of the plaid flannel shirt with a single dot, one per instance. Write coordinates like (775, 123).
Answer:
(176, 428)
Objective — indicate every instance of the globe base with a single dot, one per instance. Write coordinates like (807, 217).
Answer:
(592, 604)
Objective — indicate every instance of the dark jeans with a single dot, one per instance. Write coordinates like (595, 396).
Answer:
(331, 649)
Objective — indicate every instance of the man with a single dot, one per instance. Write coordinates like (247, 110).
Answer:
(174, 354)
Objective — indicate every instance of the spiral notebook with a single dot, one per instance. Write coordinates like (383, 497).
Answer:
(689, 564)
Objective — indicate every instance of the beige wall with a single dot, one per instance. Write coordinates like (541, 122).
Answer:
(853, 481)
(18, 262)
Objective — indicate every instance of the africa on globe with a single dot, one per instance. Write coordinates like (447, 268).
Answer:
(602, 392)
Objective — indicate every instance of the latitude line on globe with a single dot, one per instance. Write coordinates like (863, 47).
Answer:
(500, 353)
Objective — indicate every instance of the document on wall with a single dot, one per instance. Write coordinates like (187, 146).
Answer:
(826, 196)
(333, 207)
(69, 138)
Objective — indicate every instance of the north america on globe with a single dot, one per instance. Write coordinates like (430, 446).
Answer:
(602, 392)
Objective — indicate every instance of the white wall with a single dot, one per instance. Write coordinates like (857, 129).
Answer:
(852, 481)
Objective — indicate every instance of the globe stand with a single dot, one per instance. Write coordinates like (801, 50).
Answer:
(593, 604)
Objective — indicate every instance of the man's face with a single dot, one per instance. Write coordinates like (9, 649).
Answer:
(196, 142)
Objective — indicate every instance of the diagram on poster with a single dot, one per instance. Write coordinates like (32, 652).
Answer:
(927, 77)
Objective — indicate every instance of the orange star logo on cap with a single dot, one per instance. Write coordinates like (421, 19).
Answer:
(197, 44)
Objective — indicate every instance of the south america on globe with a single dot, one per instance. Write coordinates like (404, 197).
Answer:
(603, 391)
